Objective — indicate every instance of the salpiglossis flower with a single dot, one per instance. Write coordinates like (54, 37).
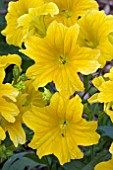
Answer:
(8, 108)
(59, 128)
(71, 10)
(95, 27)
(33, 23)
(58, 58)
(105, 95)
(23, 102)
(14, 31)
(8, 97)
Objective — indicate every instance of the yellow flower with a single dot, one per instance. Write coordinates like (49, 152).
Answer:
(8, 109)
(8, 96)
(33, 23)
(58, 58)
(24, 100)
(33, 97)
(15, 129)
(71, 10)
(13, 32)
(59, 128)
(108, 165)
(95, 27)
(105, 94)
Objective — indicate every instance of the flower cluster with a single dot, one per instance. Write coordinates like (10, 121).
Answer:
(65, 39)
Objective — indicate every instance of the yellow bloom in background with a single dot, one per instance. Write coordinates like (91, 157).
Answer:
(8, 109)
(15, 129)
(105, 94)
(71, 10)
(58, 58)
(33, 96)
(11, 113)
(108, 165)
(33, 23)
(8, 97)
(13, 32)
(95, 27)
(59, 128)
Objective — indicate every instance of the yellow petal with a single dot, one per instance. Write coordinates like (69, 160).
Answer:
(105, 94)
(70, 11)
(111, 148)
(110, 74)
(108, 110)
(16, 133)
(105, 165)
(93, 99)
(2, 134)
(97, 82)
(11, 59)
(7, 90)
(89, 137)
(8, 110)
(48, 8)
(2, 75)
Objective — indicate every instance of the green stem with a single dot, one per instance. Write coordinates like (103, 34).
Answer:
(48, 165)
(87, 91)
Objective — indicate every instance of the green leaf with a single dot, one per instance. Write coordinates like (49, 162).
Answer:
(108, 131)
(2, 24)
(6, 49)
(102, 156)
(2, 5)
(74, 165)
(21, 161)
(42, 162)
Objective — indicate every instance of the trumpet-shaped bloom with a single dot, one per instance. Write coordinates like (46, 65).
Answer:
(15, 130)
(71, 10)
(33, 23)
(58, 58)
(59, 128)
(95, 27)
(11, 113)
(14, 30)
(8, 94)
(105, 94)
(8, 109)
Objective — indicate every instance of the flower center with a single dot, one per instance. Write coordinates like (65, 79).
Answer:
(66, 13)
(90, 44)
(62, 59)
(64, 126)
